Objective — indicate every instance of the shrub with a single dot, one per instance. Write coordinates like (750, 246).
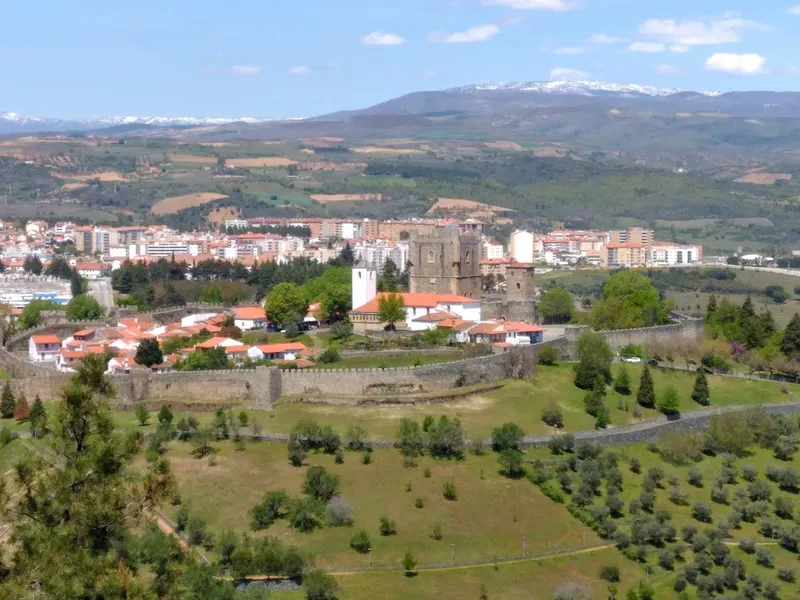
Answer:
(679, 448)
(610, 573)
(702, 512)
(427, 473)
(548, 356)
(273, 506)
(418, 503)
(449, 491)
(196, 531)
(360, 542)
(678, 497)
(356, 438)
(695, 477)
(320, 586)
(572, 591)
(409, 563)
(511, 464)
(387, 526)
(635, 465)
(764, 557)
(366, 458)
(787, 574)
(507, 437)
(305, 514)
(320, 484)
(339, 512)
(747, 545)
(436, 531)
(339, 456)
(329, 356)
(142, 415)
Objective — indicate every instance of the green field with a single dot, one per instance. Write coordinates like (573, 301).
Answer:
(518, 509)
(265, 191)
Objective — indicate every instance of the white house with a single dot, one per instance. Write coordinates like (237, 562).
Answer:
(422, 311)
(250, 317)
(43, 348)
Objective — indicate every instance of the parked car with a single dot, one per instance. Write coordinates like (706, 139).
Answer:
(631, 359)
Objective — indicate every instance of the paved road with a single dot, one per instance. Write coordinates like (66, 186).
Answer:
(101, 290)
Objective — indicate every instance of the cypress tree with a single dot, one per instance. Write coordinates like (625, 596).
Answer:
(7, 402)
(712, 306)
(593, 401)
(790, 344)
(37, 417)
(622, 382)
(22, 410)
(700, 393)
(646, 395)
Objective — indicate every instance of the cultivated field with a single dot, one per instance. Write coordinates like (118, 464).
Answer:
(502, 145)
(175, 204)
(109, 176)
(330, 198)
(255, 163)
(193, 158)
(764, 178)
(379, 150)
(462, 205)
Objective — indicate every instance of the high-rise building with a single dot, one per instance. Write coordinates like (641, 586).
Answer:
(521, 247)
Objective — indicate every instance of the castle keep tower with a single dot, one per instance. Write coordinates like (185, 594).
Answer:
(446, 262)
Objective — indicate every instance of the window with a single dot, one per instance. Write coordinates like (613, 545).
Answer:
(431, 256)
(467, 256)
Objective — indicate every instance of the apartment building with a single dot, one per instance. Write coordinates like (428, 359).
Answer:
(615, 255)
(665, 254)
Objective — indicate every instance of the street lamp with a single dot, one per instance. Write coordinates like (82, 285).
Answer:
(452, 553)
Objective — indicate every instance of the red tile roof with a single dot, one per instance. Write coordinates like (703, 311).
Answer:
(278, 348)
(250, 312)
(45, 339)
(418, 301)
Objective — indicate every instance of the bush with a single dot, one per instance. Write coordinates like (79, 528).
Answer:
(635, 465)
(196, 531)
(787, 574)
(329, 356)
(339, 512)
(418, 503)
(449, 491)
(695, 477)
(764, 557)
(305, 514)
(366, 457)
(387, 526)
(507, 437)
(273, 506)
(548, 356)
(320, 586)
(360, 542)
(427, 473)
(610, 573)
(572, 591)
(702, 512)
(320, 484)
(436, 531)
(356, 438)
(409, 563)
(511, 464)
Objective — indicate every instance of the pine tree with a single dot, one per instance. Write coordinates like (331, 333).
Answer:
(700, 393)
(37, 417)
(670, 403)
(712, 306)
(790, 344)
(622, 383)
(22, 410)
(602, 420)
(593, 401)
(646, 395)
(7, 402)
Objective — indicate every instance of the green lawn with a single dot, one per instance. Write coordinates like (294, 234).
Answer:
(518, 581)
(490, 517)
(378, 361)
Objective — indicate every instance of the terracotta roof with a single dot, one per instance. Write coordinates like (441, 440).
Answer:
(45, 339)
(211, 343)
(417, 301)
(83, 332)
(250, 312)
(277, 348)
(436, 317)
(455, 324)
(237, 349)
(491, 328)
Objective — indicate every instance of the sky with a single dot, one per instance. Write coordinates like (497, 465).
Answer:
(299, 58)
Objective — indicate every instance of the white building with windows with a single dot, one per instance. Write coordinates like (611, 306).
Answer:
(521, 246)
(664, 254)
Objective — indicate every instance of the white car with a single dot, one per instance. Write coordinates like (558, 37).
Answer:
(631, 359)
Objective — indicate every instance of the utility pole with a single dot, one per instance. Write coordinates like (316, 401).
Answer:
(524, 547)
(452, 553)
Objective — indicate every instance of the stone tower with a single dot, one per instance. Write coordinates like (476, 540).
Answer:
(520, 283)
(446, 262)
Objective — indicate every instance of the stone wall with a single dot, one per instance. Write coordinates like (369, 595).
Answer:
(257, 388)
(510, 310)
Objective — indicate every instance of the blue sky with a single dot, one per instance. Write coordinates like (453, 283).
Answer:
(281, 58)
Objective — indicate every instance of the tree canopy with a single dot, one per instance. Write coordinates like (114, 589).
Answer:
(594, 357)
(84, 308)
(630, 300)
(391, 309)
(556, 306)
(286, 302)
(149, 353)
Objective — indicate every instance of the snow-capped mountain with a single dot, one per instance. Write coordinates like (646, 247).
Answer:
(14, 122)
(580, 88)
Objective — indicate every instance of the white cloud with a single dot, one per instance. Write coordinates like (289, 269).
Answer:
(679, 48)
(649, 47)
(379, 38)
(301, 70)
(481, 33)
(668, 70)
(565, 74)
(246, 70)
(793, 10)
(602, 38)
(557, 5)
(569, 50)
(724, 30)
(737, 64)
(511, 21)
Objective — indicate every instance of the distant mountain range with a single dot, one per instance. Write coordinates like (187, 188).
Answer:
(11, 122)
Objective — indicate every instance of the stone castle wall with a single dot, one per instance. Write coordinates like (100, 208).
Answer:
(263, 386)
